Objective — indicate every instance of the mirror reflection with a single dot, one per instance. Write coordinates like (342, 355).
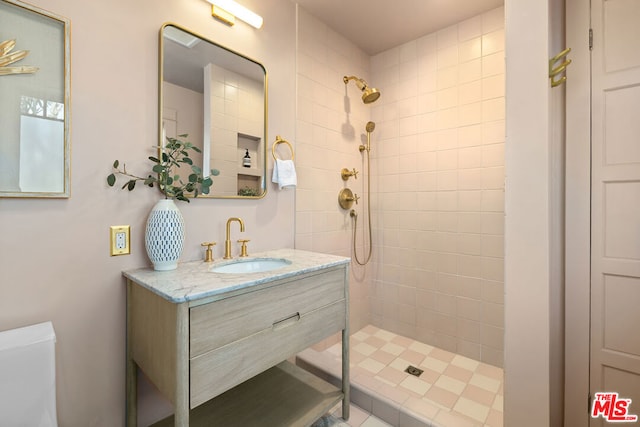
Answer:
(218, 98)
(34, 102)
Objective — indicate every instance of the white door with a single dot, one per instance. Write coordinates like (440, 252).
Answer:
(615, 208)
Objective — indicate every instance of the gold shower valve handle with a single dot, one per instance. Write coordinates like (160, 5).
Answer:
(346, 198)
(346, 173)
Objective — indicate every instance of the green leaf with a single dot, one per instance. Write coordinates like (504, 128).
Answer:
(184, 135)
(173, 153)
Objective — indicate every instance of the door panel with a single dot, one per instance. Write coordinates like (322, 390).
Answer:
(615, 209)
(621, 314)
(622, 125)
(620, 27)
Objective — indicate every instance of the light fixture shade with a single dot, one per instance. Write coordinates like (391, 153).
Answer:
(239, 12)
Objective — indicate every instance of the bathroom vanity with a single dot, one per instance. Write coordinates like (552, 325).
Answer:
(216, 343)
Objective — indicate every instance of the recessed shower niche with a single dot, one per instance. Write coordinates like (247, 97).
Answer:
(248, 158)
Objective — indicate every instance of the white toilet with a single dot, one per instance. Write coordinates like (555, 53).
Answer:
(28, 377)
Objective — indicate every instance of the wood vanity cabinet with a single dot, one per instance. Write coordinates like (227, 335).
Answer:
(222, 359)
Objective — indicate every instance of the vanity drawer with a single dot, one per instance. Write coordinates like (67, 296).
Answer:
(221, 322)
(219, 370)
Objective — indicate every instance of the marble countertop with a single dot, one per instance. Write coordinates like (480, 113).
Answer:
(194, 280)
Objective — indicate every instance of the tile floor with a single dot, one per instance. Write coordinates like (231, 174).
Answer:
(453, 391)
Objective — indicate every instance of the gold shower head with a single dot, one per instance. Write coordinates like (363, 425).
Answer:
(369, 94)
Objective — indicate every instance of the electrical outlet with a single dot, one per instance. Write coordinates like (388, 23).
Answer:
(120, 241)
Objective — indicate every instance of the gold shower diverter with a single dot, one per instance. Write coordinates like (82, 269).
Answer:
(346, 198)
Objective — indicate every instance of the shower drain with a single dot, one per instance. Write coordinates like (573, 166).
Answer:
(412, 370)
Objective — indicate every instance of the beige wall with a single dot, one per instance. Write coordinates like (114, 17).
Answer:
(183, 107)
(532, 215)
(54, 254)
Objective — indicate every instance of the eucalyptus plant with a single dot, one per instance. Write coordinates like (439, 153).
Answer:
(173, 155)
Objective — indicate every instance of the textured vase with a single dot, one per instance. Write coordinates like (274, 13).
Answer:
(164, 235)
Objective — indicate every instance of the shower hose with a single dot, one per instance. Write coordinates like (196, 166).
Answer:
(354, 215)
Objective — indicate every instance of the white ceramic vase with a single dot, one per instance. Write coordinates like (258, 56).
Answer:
(164, 235)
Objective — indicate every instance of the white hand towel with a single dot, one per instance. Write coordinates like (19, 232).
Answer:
(284, 174)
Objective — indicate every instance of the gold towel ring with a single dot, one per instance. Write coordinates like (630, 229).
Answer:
(279, 140)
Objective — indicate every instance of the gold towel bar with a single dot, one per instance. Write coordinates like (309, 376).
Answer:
(279, 140)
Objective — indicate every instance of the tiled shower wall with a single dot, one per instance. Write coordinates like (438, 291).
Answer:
(439, 182)
(329, 125)
(437, 178)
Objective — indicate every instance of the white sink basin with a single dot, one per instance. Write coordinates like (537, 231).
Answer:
(253, 265)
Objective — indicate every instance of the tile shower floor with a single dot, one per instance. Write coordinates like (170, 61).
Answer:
(453, 390)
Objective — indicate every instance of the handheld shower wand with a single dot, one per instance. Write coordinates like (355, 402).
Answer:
(369, 128)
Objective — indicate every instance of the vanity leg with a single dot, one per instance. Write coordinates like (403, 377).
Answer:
(182, 368)
(131, 392)
(346, 390)
(346, 386)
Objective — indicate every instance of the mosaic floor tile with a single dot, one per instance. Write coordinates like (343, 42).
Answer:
(453, 390)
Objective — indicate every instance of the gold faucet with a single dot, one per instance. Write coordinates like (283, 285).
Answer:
(227, 242)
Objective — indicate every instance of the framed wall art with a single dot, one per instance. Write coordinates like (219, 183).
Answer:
(34, 102)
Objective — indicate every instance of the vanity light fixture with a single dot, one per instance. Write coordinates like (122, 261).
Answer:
(228, 10)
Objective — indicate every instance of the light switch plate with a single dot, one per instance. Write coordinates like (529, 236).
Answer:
(120, 242)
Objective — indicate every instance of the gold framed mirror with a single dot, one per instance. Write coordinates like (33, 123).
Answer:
(219, 98)
(35, 102)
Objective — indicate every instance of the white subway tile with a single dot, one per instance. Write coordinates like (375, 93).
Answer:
(470, 28)
(493, 20)
(447, 36)
(469, 50)
(493, 42)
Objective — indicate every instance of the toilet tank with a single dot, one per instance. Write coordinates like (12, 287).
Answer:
(28, 377)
